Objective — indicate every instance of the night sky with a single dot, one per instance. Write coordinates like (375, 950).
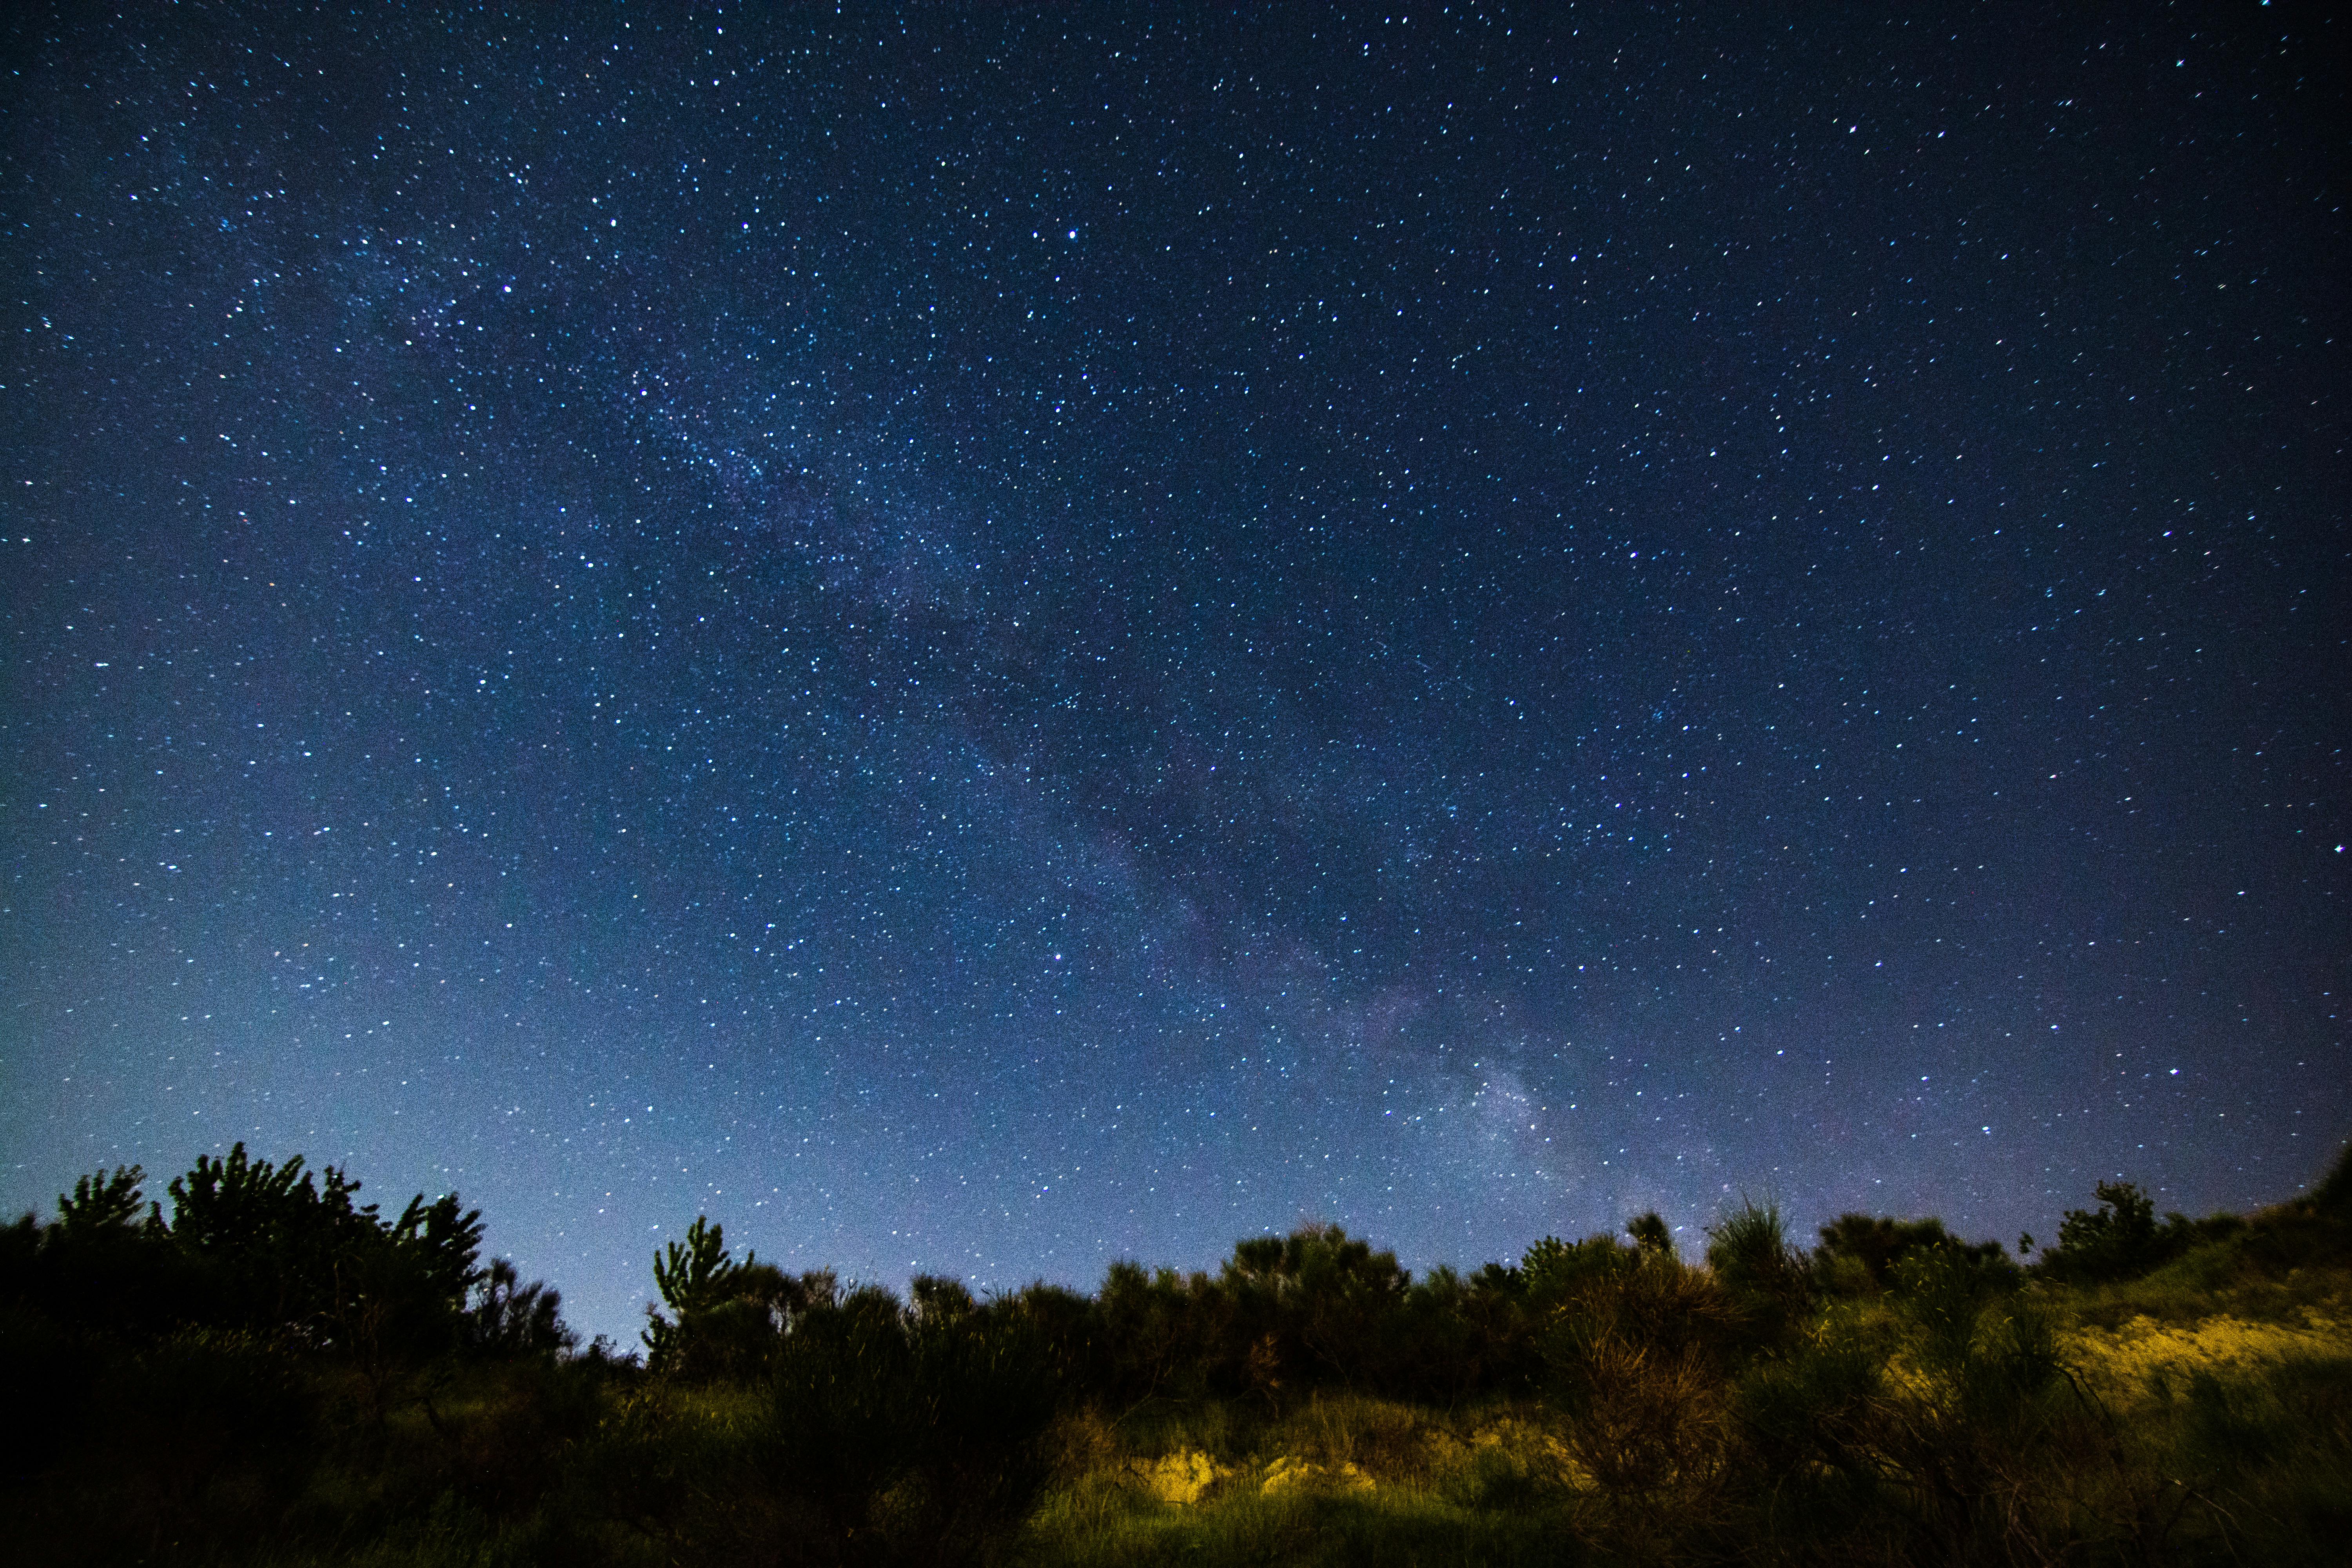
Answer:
(982, 641)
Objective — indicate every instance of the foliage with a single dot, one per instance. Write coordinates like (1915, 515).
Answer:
(1859, 1253)
(508, 1318)
(2117, 1240)
(251, 1248)
(2122, 1239)
(193, 1367)
(273, 1374)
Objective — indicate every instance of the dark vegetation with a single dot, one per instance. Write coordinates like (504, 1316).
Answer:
(272, 1372)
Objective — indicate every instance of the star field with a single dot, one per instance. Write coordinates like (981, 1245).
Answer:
(981, 641)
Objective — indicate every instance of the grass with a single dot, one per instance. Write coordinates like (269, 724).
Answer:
(1423, 1491)
(1340, 1479)
(2203, 1414)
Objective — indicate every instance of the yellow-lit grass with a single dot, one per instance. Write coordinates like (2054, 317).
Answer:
(2128, 1359)
(1341, 1478)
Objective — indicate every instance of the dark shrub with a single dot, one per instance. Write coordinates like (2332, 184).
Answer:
(1156, 1334)
(2119, 1240)
(510, 1318)
(1635, 1353)
(1650, 1233)
(2333, 1195)
(892, 1430)
(1315, 1306)
(1858, 1252)
(1554, 1269)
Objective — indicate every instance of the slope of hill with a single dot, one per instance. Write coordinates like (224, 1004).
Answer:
(273, 1375)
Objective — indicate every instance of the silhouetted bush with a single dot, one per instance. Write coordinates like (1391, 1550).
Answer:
(1554, 1269)
(509, 1319)
(2117, 1240)
(1155, 1341)
(1858, 1252)
(889, 1427)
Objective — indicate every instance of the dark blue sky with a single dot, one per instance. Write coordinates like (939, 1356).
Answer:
(985, 641)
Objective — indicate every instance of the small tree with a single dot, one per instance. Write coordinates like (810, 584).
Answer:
(691, 1276)
(725, 1318)
(103, 1205)
(2119, 1240)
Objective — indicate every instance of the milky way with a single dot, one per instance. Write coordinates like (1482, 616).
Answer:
(983, 642)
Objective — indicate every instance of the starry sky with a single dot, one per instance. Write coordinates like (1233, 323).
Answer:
(980, 640)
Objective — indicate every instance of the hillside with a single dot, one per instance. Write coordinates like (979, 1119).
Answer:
(273, 1374)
